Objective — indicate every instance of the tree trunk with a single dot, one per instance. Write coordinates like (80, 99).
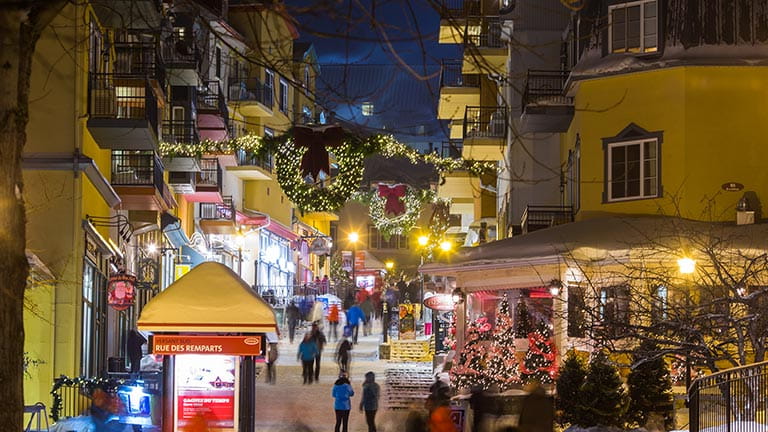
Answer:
(20, 27)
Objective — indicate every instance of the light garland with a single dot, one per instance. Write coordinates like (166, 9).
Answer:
(414, 201)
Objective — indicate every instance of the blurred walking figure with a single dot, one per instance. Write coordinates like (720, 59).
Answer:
(292, 315)
(333, 322)
(439, 415)
(355, 317)
(537, 412)
(271, 360)
(342, 392)
(343, 355)
(370, 401)
(415, 422)
(320, 340)
(367, 308)
(307, 352)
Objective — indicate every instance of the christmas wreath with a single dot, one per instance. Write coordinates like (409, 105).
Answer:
(395, 210)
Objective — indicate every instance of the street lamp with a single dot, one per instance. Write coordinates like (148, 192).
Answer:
(353, 238)
(687, 266)
(389, 265)
(446, 246)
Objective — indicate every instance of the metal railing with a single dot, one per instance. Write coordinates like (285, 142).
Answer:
(181, 131)
(451, 149)
(485, 122)
(451, 76)
(210, 173)
(483, 32)
(733, 400)
(137, 168)
(218, 211)
(211, 98)
(245, 158)
(138, 59)
(180, 52)
(546, 87)
(459, 8)
(251, 90)
(111, 96)
(540, 217)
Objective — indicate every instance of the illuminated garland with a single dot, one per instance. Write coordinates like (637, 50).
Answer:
(85, 385)
(396, 225)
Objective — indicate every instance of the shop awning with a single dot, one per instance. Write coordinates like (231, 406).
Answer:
(211, 127)
(211, 298)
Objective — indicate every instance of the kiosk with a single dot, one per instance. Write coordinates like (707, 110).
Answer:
(210, 327)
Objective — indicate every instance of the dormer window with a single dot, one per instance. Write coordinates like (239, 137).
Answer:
(634, 27)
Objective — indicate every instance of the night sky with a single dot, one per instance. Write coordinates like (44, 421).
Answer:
(387, 55)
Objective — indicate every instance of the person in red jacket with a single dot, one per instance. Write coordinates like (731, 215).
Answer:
(333, 322)
(439, 415)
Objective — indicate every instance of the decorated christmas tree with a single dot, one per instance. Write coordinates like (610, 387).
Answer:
(603, 399)
(571, 377)
(650, 389)
(502, 363)
(522, 320)
(540, 360)
(468, 371)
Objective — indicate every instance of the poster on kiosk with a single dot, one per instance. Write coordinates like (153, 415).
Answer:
(207, 390)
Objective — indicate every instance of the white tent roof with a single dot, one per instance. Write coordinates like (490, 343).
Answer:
(211, 298)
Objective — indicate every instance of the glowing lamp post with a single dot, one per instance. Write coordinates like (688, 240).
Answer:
(687, 266)
(353, 238)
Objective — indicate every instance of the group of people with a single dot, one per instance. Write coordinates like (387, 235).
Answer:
(342, 393)
(310, 354)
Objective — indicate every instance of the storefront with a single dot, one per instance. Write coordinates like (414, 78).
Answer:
(276, 269)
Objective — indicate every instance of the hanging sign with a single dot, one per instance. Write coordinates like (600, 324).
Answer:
(121, 291)
(320, 246)
(440, 302)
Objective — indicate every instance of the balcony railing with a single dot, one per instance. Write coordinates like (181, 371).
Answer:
(210, 173)
(218, 211)
(451, 149)
(485, 122)
(732, 400)
(138, 59)
(210, 98)
(459, 8)
(251, 90)
(137, 168)
(245, 158)
(451, 76)
(114, 97)
(181, 52)
(540, 217)
(543, 87)
(181, 132)
(484, 32)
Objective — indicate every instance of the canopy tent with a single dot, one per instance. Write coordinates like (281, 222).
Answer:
(210, 298)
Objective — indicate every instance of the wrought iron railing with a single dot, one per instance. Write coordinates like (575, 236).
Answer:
(451, 76)
(181, 131)
(245, 158)
(210, 172)
(211, 98)
(138, 59)
(484, 32)
(539, 217)
(451, 149)
(136, 168)
(218, 211)
(485, 122)
(546, 87)
(251, 90)
(734, 400)
(181, 52)
(115, 97)
(459, 8)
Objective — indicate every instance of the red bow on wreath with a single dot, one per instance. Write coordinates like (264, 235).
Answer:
(393, 194)
(317, 140)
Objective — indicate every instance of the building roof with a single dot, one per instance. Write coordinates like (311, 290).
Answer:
(211, 298)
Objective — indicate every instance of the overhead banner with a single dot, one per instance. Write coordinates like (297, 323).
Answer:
(225, 345)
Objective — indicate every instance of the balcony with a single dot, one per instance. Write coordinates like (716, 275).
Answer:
(210, 176)
(485, 132)
(218, 218)
(138, 60)
(251, 167)
(210, 99)
(452, 18)
(122, 112)
(546, 108)
(137, 177)
(540, 217)
(181, 57)
(457, 90)
(180, 132)
(484, 48)
(253, 98)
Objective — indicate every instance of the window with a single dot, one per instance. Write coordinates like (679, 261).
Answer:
(614, 308)
(367, 109)
(218, 62)
(95, 46)
(574, 175)
(269, 88)
(283, 95)
(576, 308)
(634, 27)
(633, 170)
(660, 304)
(307, 78)
(306, 114)
(94, 320)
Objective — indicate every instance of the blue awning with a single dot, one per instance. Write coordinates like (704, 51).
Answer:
(190, 256)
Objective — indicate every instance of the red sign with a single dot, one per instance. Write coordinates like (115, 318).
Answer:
(226, 345)
(359, 260)
(217, 410)
(440, 302)
(121, 291)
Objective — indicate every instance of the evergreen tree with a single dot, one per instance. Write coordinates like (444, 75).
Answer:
(502, 363)
(523, 325)
(603, 400)
(539, 362)
(573, 373)
(468, 372)
(650, 388)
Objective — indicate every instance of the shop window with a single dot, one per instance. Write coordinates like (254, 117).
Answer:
(94, 313)
(634, 27)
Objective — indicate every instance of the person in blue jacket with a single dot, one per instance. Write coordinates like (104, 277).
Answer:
(341, 392)
(355, 317)
(307, 353)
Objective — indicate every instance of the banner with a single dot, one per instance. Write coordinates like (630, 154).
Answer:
(230, 345)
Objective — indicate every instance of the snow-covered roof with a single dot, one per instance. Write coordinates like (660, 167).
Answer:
(211, 298)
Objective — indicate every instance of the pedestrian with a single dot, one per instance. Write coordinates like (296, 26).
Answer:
(355, 317)
(440, 390)
(343, 355)
(292, 315)
(370, 400)
(307, 353)
(320, 340)
(342, 391)
(415, 421)
(326, 283)
(537, 411)
(367, 308)
(271, 360)
(439, 415)
(333, 322)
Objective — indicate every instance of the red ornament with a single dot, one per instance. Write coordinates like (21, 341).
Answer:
(393, 195)
(121, 291)
(317, 140)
